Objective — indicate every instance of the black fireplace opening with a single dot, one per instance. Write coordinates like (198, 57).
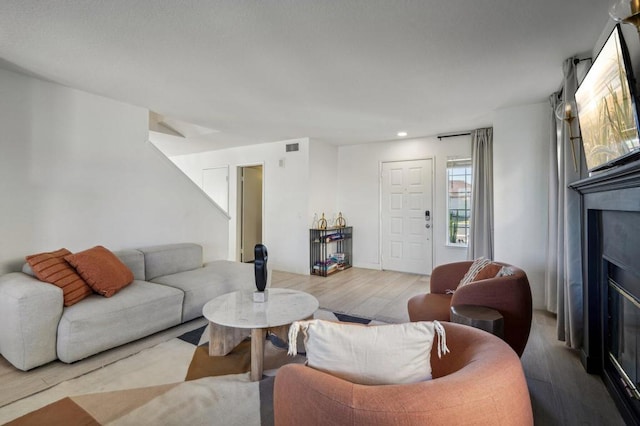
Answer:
(621, 363)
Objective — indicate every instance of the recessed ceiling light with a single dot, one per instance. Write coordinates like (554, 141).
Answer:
(402, 134)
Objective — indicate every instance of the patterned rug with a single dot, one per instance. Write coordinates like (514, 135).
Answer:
(173, 383)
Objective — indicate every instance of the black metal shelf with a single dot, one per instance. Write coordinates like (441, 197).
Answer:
(330, 250)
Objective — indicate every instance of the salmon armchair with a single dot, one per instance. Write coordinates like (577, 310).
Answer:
(479, 382)
(510, 295)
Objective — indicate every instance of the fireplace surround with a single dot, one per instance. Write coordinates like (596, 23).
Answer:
(611, 282)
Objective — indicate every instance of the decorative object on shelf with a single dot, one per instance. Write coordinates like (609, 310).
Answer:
(627, 11)
(340, 221)
(565, 111)
(322, 223)
(260, 268)
(314, 223)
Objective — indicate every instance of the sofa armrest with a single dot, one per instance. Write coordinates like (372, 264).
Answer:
(31, 311)
(447, 277)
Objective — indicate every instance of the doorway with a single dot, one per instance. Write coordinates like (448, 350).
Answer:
(250, 190)
(407, 216)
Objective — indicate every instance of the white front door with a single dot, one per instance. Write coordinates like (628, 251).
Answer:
(406, 226)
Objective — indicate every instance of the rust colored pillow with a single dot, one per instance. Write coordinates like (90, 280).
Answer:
(52, 268)
(102, 270)
(474, 269)
(489, 271)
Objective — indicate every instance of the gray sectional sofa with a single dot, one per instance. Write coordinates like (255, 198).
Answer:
(170, 287)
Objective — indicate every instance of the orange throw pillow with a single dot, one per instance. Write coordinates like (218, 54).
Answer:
(480, 269)
(52, 268)
(102, 270)
(474, 269)
(489, 271)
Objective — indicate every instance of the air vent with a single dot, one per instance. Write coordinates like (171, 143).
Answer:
(291, 147)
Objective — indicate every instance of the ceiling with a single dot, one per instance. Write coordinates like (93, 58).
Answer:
(345, 72)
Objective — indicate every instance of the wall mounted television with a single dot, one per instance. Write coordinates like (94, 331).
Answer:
(607, 107)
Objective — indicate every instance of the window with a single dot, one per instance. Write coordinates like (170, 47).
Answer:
(458, 201)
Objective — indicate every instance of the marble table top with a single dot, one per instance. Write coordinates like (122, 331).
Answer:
(238, 309)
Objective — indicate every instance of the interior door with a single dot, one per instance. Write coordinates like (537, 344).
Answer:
(215, 182)
(251, 212)
(407, 216)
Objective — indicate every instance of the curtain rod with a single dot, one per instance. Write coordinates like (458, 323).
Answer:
(463, 133)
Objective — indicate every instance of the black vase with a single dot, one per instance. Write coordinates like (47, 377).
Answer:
(260, 266)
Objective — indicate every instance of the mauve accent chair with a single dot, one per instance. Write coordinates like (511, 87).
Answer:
(510, 295)
(480, 382)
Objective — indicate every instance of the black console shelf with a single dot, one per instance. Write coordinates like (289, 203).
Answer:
(330, 250)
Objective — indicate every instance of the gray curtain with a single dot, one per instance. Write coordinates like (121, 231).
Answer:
(554, 272)
(563, 279)
(481, 223)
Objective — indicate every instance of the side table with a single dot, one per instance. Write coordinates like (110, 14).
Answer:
(481, 317)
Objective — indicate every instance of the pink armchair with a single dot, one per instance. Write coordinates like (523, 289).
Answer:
(480, 381)
(509, 295)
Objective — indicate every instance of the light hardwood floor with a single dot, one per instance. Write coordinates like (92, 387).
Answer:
(562, 393)
(379, 295)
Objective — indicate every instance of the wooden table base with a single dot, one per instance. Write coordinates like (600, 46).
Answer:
(223, 339)
(258, 336)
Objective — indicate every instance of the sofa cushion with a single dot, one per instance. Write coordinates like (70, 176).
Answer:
(170, 259)
(370, 355)
(26, 269)
(134, 259)
(52, 268)
(203, 284)
(98, 323)
(101, 269)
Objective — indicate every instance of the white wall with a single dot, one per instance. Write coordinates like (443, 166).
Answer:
(76, 170)
(286, 197)
(359, 194)
(520, 162)
(323, 180)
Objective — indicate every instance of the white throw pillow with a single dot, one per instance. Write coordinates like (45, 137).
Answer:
(370, 355)
(505, 271)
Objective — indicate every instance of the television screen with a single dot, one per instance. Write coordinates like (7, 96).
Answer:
(606, 106)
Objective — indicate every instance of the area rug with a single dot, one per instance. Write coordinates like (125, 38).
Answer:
(173, 383)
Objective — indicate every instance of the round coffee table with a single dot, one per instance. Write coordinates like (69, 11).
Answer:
(232, 315)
